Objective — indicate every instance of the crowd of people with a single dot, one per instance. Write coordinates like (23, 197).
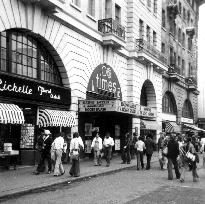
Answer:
(174, 150)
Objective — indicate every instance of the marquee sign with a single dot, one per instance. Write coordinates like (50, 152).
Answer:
(104, 80)
(148, 112)
(31, 90)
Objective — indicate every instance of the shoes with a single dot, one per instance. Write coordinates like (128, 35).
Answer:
(95, 164)
(36, 173)
(138, 169)
(49, 172)
(181, 180)
(62, 173)
(56, 175)
(123, 162)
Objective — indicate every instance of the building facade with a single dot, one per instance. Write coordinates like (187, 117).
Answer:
(96, 64)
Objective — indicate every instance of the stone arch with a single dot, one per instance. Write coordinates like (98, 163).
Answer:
(148, 94)
(187, 109)
(31, 19)
(172, 102)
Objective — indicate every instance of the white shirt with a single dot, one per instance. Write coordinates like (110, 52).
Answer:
(97, 143)
(108, 141)
(58, 143)
(140, 145)
(76, 143)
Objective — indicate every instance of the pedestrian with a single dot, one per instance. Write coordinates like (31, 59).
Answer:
(132, 146)
(149, 148)
(46, 142)
(108, 143)
(161, 155)
(140, 148)
(97, 148)
(202, 143)
(126, 156)
(76, 145)
(173, 153)
(58, 148)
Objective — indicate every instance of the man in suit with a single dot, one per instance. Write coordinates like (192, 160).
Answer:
(149, 148)
(46, 142)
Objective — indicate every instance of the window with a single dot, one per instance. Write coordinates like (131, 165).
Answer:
(117, 12)
(183, 67)
(163, 48)
(175, 29)
(183, 39)
(27, 57)
(188, 16)
(148, 34)
(190, 70)
(141, 29)
(154, 39)
(155, 6)
(171, 56)
(175, 58)
(149, 3)
(76, 2)
(91, 7)
(179, 61)
(108, 9)
(189, 44)
(187, 110)
(143, 96)
(163, 18)
(179, 35)
(168, 104)
(184, 13)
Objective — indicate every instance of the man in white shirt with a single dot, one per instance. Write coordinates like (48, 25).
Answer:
(58, 146)
(97, 147)
(108, 143)
(140, 147)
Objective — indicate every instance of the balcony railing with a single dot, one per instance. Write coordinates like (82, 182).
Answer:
(144, 46)
(191, 80)
(174, 69)
(111, 26)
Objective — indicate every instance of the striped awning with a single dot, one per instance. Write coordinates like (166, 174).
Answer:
(47, 117)
(193, 127)
(171, 127)
(10, 113)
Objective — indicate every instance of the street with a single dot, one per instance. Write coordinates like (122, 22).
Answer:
(127, 186)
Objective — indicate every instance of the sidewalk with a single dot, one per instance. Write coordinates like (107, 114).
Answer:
(22, 181)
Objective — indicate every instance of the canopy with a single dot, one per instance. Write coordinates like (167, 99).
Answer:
(193, 127)
(10, 113)
(171, 127)
(149, 124)
(47, 117)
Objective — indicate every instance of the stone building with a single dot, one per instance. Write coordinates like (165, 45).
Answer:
(75, 65)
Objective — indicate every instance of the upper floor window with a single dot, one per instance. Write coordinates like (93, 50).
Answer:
(148, 34)
(183, 67)
(163, 18)
(179, 35)
(187, 110)
(163, 48)
(189, 44)
(76, 2)
(154, 39)
(190, 70)
(167, 104)
(149, 3)
(180, 8)
(188, 16)
(141, 29)
(155, 6)
(117, 13)
(108, 9)
(184, 13)
(91, 7)
(183, 39)
(23, 55)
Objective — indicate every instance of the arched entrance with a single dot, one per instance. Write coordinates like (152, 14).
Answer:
(148, 125)
(32, 78)
(169, 113)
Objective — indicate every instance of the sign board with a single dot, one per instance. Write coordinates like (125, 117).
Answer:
(187, 120)
(20, 88)
(104, 80)
(117, 144)
(148, 112)
(169, 117)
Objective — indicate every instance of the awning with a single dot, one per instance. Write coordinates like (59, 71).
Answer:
(10, 113)
(171, 127)
(47, 117)
(193, 127)
(149, 124)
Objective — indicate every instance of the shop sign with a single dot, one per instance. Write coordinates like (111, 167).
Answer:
(148, 112)
(31, 90)
(104, 81)
(187, 120)
(128, 107)
(117, 144)
(168, 117)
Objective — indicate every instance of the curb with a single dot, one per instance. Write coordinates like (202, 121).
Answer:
(48, 187)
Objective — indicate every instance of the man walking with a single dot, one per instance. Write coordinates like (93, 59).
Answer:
(140, 147)
(108, 143)
(173, 153)
(149, 148)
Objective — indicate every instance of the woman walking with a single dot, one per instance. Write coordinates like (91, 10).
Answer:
(75, 146)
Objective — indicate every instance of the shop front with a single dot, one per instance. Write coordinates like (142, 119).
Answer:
(32, 96)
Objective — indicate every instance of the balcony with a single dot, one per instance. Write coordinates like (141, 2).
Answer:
(172, 10)
(146, 53)
(190, 31)
(113, 33)
(47, 5)
(192, 84)
(173, 73)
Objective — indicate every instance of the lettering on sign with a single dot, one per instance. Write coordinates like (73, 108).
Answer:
(104, 81)
(43, 90)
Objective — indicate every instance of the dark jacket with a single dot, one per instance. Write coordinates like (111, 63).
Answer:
(149, 145)
(173, 149)
(47, 145)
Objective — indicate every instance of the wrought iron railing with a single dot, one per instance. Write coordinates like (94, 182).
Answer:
(144, 46)
(174, 69)
(191, 80)
(110, 25)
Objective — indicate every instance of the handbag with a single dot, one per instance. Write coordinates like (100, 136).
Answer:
(74, 155)
(165, 151)
(190, 156)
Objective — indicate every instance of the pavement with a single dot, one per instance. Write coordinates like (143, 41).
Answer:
(22, 181)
